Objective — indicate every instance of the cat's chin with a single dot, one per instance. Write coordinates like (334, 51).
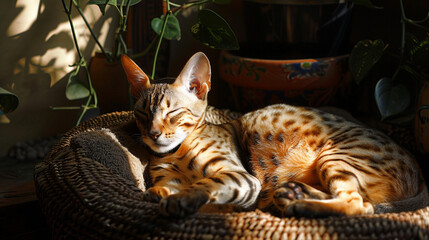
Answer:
(163, 145)
(161, 150)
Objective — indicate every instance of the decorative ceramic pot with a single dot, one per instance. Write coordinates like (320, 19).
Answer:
(422, 120)
(257, 82)
(110, 83)
(295, 52)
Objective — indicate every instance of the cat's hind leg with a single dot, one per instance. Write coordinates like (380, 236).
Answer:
(289, 193)
(297, 199)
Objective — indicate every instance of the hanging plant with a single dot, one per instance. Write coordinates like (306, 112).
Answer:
(213, 31)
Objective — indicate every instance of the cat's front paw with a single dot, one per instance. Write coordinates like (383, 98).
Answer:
(155, 194)
(183, 204)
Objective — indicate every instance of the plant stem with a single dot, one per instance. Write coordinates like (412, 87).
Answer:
(403, 30)
(168, 5)
(164, 24)
(91, 31)
(175, 4)
(191, 4)
(416, 24)
(118, 9)
(127, 9)
(126, 16)
(188, 5)
(121, 46)
(85, 108)
(91, 88)
(169, 11)
(82, 62)
(66, 108)
(68, 11)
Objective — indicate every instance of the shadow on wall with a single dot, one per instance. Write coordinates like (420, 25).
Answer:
(36, 52)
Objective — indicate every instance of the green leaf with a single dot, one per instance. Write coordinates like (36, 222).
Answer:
(411, 45)
(421, 54)
(391, 98)
(8, 101)
(103, 3)
(365, 54)
(366, 3)
(75, 88)
(172, 29)
(213, 31)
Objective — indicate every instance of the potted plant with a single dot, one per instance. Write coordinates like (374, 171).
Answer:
(211, 30)
(402, 98)
(295, 52)
(77, 88)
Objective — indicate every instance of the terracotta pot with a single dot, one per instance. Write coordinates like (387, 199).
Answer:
(422, 120)
(259, 82)
(110, 83)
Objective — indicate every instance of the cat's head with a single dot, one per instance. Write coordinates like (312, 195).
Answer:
(167, 113)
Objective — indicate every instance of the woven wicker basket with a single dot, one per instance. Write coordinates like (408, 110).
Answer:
(82, 199)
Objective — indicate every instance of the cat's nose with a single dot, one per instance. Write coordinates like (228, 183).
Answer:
(154, 134)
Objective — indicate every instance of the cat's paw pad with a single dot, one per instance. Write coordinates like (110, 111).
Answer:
(291, 191)
(155, 194)
(183, 204)
(287, 195)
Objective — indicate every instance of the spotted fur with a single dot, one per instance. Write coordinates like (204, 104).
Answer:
(289, 160)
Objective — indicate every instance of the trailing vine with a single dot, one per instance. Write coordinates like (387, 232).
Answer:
(210, 26)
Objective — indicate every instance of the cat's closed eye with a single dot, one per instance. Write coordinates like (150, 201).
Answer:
(175, 116)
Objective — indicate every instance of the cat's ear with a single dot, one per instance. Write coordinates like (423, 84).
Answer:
(136, 77)
(195, 76)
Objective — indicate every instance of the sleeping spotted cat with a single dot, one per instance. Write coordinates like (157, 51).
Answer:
(294, 161)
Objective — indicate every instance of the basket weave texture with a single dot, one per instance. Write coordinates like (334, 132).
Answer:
(82, 199)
